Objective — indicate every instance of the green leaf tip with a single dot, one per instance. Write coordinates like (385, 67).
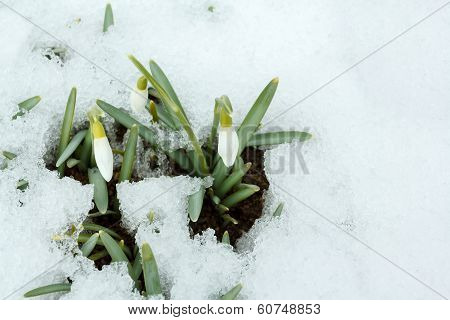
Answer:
(109, 17)
(52, 288)
(195, 204)
(239, 196)
(22, 185)
(277, 137)
(233, 293)
(8, 155)
(226, 237)
(26, 105)
(150, 270)
(278, 210)
(256, 113)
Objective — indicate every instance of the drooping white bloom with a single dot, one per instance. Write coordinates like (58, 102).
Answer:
(228, 145)
(139, 95)
(102, 150)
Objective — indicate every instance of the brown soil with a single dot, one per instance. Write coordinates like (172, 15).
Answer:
(247, 212)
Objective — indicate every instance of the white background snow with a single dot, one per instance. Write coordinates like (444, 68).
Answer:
(378, 181)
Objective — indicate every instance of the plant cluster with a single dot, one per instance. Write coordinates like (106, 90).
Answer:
(222, 160)
(220, 157)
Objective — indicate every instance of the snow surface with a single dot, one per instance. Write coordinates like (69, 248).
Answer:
(377, 166)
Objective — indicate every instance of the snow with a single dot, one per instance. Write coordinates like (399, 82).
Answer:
(376, 168)
(86, 284)
(29, 255)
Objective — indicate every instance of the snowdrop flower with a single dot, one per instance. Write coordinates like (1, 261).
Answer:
(228, 145)
(138, 96)
(102, 150)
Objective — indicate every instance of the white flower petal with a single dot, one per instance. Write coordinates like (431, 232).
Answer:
(138, 100)
(104, 157)
(228, 145)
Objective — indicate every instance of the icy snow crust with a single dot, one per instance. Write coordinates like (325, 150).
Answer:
(377, 168)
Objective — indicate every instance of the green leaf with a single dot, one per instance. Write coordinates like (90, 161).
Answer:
(66, 127)
(215, 124)
(27, 105)
(271, 138)
(239, 196)
(83, 237)
(168, 102)
(161, 78)
(113, 247)
(99, 214)
(118, 151)
(254, 117)
(58, 287)
(109, 18)
(150, 268)
(96, 227)
(233, 179)
(137, 267)
(89, 245)
(71, 147)
(164, 116)
(181, 158)
(195, 204)
(215, 199)
(233, 293)
(226, 238)
(196, 165)
(151, 216)
(100, 189)
(238, 165)
(219, 173)
(9, 155)
(86, 151)
(229, 219)
(98, 255)
(129, 156)
(72, 162)
(22, 185)
(278, 210)
(126, 250)
(127, 121)
(222, 209)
